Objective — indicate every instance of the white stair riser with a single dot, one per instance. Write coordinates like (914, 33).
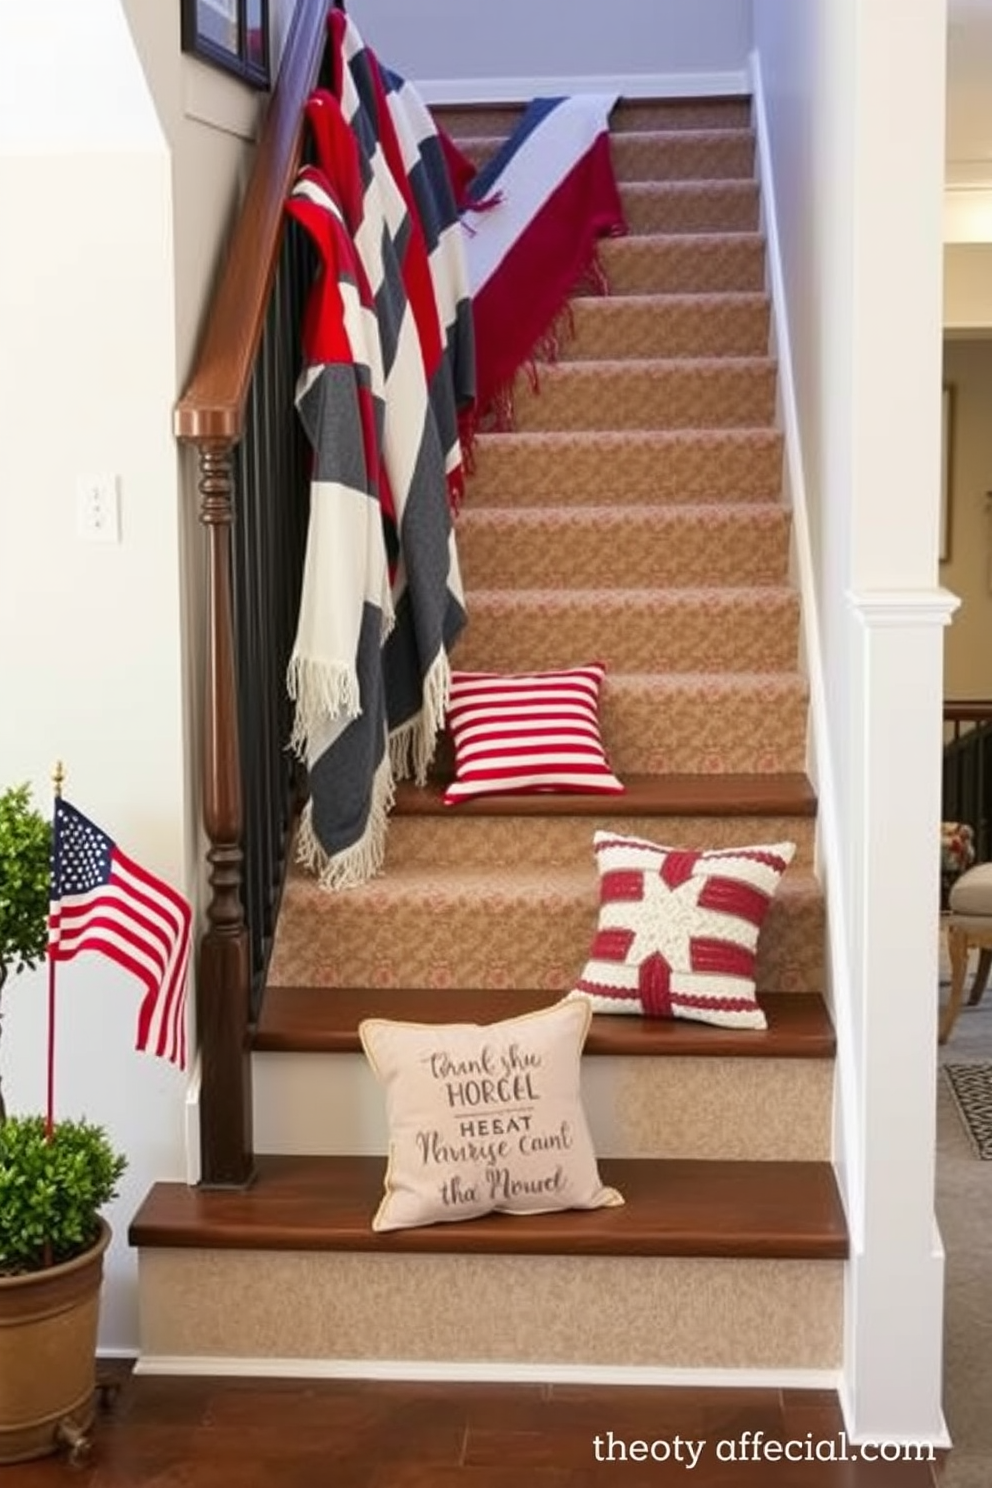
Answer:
(636, 1106)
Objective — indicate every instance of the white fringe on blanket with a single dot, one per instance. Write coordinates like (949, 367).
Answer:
(412, 746)
(320, 690)
(365, 858)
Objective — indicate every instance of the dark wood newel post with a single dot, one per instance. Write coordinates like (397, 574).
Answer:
(223, 984)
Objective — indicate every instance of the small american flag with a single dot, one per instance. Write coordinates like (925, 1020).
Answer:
(101, 900)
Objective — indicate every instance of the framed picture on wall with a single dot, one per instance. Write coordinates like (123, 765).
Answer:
(946, 469)
(232, 34)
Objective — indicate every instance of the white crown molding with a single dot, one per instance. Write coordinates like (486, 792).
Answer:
(903, 607)
(454, 91)
(977, 172)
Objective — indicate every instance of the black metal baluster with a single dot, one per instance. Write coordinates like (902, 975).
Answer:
(269, 541)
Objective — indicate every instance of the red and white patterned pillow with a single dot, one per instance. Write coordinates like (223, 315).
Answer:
(536, 731)
(678, 930)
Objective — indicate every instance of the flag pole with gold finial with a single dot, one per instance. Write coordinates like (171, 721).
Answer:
(54, 894)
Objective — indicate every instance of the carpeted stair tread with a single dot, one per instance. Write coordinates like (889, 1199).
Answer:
(632, 630)
(642, 466)
(673, 1207)
(521, 926)
(637, 546)
(656, 154)
(690, 206)
(678, 795)
(312, 1020)
(657, 326)
(705, 722)
(463, 121)
(648, 393)
(684, 263)
(555, 828)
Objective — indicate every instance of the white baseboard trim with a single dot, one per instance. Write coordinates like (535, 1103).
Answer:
(642, 85)
(495, 1372)
(940, 1441)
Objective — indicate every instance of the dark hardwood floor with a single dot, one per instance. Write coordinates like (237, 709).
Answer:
(238, 1433)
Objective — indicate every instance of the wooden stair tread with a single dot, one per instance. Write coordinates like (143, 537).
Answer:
(323, 1020)
(674, 1207)
(644, 795)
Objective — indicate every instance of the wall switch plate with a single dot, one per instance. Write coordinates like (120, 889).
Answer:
(98, 508)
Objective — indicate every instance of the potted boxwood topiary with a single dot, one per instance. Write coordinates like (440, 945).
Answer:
(54, 1181)
(25, 851)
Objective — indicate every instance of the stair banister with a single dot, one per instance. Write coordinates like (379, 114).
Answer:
(211, 416)
(967, 768)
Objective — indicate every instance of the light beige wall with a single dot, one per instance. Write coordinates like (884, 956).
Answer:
(968, 643)
(91, 666)
(968, 286)
(210, 120)
(120, 162)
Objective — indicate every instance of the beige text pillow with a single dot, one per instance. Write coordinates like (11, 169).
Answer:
(484, 1117)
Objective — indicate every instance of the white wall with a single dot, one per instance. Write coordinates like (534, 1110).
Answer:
(446, 41)
(116, 191)
(208, 119)
(859, 217)
(90, 663)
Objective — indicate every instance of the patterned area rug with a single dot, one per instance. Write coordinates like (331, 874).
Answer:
(971, 1086)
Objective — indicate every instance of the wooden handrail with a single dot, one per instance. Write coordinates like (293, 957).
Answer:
(213, 405)
(967, 710)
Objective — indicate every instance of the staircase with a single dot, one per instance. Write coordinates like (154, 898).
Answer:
(633, 516)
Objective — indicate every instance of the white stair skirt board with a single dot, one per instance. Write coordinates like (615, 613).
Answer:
(642, 85)
(820, 762)
(439, 1308)
(467, 1372)
(690, 1107)
(919, 609)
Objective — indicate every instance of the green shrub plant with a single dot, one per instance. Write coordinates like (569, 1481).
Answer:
(52, 1185)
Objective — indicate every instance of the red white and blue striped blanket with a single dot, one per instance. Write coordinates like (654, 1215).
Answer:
(381, 599)
(535, 214)
(394, 126)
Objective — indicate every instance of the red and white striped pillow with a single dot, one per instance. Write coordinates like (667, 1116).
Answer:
(678, 930)
(536, 731)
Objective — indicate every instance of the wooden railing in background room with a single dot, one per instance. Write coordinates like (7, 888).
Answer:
(237, 411)
(967, 769)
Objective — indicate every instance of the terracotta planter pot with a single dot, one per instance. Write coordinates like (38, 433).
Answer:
(48, 1328)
